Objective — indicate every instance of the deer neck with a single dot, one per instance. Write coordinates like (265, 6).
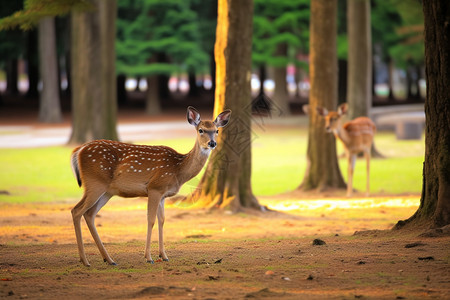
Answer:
(342, 134)
(193, 162)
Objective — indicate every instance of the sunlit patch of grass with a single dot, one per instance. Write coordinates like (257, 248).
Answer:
(37, 175)
(278, 166)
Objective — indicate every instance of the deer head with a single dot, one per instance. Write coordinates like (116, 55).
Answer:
(207, 131)
(332, 118)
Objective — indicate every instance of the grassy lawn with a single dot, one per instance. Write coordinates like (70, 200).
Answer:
(279, 162)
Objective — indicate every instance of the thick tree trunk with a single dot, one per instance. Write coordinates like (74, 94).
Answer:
(226, 183)
(359, 82)
(49, 105)
(94, 94)
(108, 13)
(435, 200)
(323, 170)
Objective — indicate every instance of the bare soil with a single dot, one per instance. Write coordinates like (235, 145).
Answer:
(217, 255)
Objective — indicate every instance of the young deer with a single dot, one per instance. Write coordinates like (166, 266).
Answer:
(356, 136)
(108, 168)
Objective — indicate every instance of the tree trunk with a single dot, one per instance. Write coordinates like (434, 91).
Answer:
(359, 82)
(322, 170)
(12, 76)
(152, 106)
(32, 65)
(94, 94)
(49, 105)
(434, 206)
(391, 68)
(226, 183)
(281, 97)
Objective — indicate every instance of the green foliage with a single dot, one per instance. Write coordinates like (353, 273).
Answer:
(12, 42)
(397, 27)
(280, 23)
(35, 10)
(150, 29)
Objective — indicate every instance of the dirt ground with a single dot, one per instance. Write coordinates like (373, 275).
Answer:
(217, 255)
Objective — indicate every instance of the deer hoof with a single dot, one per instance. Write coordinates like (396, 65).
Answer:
(112, 263)
(163, 259)
(151, 261)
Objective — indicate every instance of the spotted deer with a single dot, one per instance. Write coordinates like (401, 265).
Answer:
(356, 136)
(107, 168)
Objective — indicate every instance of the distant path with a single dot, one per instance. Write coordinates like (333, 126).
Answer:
(26, 132)
(23, 130)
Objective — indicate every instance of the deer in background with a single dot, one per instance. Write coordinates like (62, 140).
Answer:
(108, 168)
(356, 136)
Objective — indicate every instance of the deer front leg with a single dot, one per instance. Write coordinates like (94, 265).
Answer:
(351, 167)
(154, 199)
(161, 219)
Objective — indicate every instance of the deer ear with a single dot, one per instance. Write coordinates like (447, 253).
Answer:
(322, 111)
(193, 116)
(223, 118)
(342, 109)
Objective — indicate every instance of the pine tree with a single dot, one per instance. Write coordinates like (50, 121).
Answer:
(281, 31)
(148, 30)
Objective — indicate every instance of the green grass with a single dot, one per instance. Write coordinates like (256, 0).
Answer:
(279, 162)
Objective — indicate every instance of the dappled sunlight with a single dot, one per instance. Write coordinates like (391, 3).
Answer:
(292, 205)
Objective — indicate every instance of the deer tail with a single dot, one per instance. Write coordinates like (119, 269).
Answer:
(75, 165)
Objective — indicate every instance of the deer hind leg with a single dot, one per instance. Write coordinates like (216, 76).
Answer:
(89, 216)
(89, 199)
(161, 219)
(351, 168)
(77, 212)
(154, 198)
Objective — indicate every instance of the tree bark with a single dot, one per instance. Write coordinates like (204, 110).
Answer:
(49, 105)
(434, 206)
(322, 165)
(359, 83)
(226, 183)
(94, 94)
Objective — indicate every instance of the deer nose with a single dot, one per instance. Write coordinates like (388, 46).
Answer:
(212, 144)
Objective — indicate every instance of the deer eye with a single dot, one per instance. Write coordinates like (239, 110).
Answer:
(217, 131)
(200, 131)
